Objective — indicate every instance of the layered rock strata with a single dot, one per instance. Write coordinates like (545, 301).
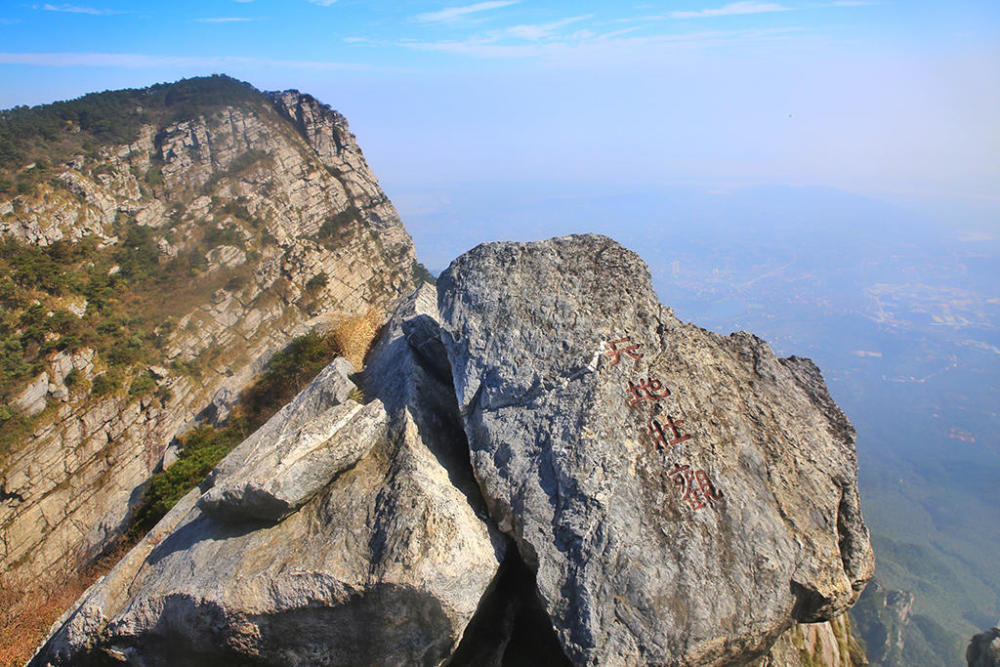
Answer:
(384, 562)
(553, 467)
(282, 179)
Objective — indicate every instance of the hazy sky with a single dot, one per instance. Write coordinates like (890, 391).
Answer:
(899, 100)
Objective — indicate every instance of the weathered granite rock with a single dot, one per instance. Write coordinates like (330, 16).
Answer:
(385, 564)
(31, 401)
(676, 498)
(984, 649)
(685, 497)
(289, 459)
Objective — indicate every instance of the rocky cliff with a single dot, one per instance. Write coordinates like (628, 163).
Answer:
(229, 222)
(547, 467)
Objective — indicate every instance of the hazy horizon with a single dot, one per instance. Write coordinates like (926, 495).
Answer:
(823, 173)
(889, 100)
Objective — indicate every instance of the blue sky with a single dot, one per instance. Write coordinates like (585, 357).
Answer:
(898, 100)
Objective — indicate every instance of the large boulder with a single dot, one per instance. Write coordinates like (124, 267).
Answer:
(551, 469)
(683, 496)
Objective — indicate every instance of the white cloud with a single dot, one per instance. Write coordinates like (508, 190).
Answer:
(74, 9)
(541, 31)
(732, 9)
(225, 19)
(584, 45)
(322, 3)
(453, 13)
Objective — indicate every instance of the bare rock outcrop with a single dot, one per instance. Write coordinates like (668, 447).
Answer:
(304, 238)
(684, 496)
(384, 563)
(552, 469)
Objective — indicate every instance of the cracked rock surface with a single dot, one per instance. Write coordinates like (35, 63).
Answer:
(384, 563)
(272, 171)
(683, 495)
(549, 468)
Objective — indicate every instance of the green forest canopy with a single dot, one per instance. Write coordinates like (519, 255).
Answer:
(52, 133)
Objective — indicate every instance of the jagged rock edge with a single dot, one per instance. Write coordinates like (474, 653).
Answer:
(514, 569)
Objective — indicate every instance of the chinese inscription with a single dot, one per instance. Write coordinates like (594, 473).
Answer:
(663, 438)
(646, 391)
(615, 353)
(696, 488)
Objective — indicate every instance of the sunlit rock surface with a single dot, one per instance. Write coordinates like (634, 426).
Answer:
(552, 470)
(273, 171)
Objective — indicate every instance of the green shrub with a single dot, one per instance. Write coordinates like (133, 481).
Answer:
(235, 283)
(317, 282)
(287, 372)
(243, 162)
(164, 394)
(138, 256)
(141, 385)
(126, 351)
(422, 275)
(15, 428)
(226, 235)
(74, 379)
(192, 368)
(105, 383)
(201, 450)
(335, 225)
(154, 177)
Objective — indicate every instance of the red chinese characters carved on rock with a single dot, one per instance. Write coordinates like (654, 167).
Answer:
(699, 491)
(661, 438)
(615, 353)
(646, 391)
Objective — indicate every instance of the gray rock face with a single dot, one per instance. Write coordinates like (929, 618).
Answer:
(292, 457)
(684, 496)
(385, 563)
(78, 474)
(984, 649)
(31, 401)
(641, 491)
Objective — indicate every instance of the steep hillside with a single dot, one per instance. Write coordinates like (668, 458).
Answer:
(157, 246)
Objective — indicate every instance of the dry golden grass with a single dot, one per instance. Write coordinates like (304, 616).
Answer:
(27, 612)
(354, 336)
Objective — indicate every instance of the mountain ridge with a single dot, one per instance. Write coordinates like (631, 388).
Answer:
(146, 284)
